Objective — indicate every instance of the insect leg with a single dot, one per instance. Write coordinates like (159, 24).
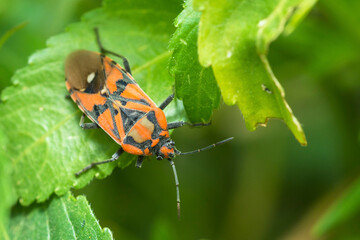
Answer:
(166, 102)
(182, 123)
(87, 125)
(139, 161)
(103, 51)
(113, 158)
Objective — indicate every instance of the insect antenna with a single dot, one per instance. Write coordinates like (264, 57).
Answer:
(204, 148)
(177, 187)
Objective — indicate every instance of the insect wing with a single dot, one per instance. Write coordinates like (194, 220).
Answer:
(99, 110)
(113, 100)
(130, 101)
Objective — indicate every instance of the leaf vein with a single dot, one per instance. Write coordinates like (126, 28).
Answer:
(152, 61)
(47, 224)
(68, 217)
(42, 138)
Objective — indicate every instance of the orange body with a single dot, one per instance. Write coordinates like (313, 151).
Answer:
(111, 98)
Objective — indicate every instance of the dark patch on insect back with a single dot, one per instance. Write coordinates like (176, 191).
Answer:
(130, 117)
(157, 130)
(98, 110)
(151, 117)
(120, 85)
(114, 112)
(123, 102)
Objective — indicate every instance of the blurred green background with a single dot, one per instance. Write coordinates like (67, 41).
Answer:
(263, 184)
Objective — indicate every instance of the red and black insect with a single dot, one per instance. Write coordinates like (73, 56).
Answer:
(110, 97)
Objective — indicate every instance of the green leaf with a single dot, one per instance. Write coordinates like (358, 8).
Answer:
(228, 36)
(195, 85)
(46, 145)
(340, 50)
(59, 218)
(284, 18)
(345, 207)
(7, 194)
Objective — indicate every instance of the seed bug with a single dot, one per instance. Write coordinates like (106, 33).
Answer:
(111, 98)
